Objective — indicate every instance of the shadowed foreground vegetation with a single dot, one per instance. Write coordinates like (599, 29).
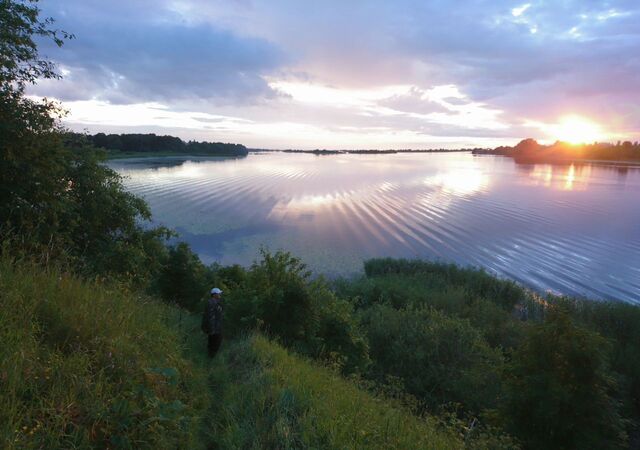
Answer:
(86, 364)
(270, 398)
(410, 355)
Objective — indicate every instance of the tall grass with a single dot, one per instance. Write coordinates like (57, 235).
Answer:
(86, 365)
(270, 398)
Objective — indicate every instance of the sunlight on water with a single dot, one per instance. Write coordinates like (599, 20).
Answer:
(566, 177)
(460, 182)
(571, 229)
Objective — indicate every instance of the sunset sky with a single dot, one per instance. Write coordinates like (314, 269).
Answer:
(350, 74)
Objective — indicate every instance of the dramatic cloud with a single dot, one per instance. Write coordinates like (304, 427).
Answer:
(360, 73)
(121, 60)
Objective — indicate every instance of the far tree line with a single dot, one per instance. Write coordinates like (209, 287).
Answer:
(147, 143)
(530, 151)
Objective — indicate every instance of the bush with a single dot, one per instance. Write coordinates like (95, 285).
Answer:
(55, 195)
(559, 388)
(439, 358)
(620, 323)
(477, 282)
(183, 279)
(412, 290)
(278, 296)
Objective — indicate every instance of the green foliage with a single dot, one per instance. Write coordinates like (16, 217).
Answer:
(280, 298)
(460, 298)
(229, 277)
(141, 144)
(559, 389)
(183, 279)
(20, 63)
(84, 365)
(620, 323)
(440, 359)
(55, 195)
(277, 295)
(476, 281)
(272, 399)
(400, 287)
(28, 183)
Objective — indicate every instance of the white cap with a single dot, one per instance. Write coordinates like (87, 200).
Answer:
(216, 291)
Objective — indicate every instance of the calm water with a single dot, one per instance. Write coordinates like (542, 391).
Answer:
(568, 229)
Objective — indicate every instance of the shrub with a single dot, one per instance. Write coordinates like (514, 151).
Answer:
(440, 359)
(559, 388)
(477, 282)
(183, 278)
(277, 295)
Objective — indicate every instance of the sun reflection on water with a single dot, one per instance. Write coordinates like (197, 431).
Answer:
(567, 178)
(459, 182)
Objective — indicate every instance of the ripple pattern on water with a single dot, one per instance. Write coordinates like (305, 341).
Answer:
(571, 230)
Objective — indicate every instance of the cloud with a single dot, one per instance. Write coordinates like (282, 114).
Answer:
(121, 60)
(487, 48)
(337, 65)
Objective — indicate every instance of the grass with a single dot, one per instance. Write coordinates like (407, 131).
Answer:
(89, 364)
(270, 398)
(86, 364)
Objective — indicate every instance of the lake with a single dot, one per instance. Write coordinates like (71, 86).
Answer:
(570, 229)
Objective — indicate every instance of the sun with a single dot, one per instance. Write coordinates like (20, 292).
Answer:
(577, 130)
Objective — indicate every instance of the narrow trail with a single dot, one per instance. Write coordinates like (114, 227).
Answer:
(194, 345)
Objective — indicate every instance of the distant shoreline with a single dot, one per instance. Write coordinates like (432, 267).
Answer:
(132, 154)
(529, 151)
(127, 155)
(362, 152)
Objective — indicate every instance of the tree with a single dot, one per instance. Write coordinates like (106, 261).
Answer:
(33, 157)
(183, 278)
(55, 195)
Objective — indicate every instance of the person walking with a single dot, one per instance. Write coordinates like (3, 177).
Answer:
(212, 321)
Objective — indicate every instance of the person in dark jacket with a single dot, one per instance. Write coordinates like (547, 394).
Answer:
(212, 321)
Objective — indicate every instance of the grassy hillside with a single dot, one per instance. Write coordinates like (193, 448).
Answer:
(270, 398)
(90, 365)
(85, 365)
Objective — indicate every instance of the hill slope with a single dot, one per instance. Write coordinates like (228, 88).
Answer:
(86, 364)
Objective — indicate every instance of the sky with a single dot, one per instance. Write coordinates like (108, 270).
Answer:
(350, 74)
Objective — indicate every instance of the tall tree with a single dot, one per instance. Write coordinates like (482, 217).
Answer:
(54, 192)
